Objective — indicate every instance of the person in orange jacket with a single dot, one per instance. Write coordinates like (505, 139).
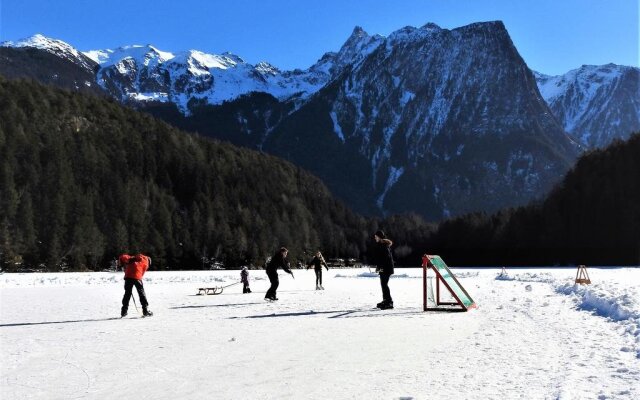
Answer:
(134, 268)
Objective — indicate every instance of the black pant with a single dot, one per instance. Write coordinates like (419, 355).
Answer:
(273, 278)
(386, 293)
(245, 287)
(129, 283)
(318, 276)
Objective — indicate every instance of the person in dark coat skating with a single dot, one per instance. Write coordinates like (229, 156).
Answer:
(383, 259)
(278, 260)
(317, 262)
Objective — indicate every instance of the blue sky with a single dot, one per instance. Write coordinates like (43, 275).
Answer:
(552, 36)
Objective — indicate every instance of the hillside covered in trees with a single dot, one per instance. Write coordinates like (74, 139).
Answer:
(84, 178)
(591, 217)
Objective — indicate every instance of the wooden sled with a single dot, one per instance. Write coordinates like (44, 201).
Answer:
(213, 290)
(209, 290)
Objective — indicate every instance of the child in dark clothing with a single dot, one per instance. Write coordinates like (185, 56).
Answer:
(244, 278)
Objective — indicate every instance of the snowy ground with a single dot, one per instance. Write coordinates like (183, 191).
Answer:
(534, 335)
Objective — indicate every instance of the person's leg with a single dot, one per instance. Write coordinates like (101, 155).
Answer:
(143, 298)
(128, 287)
(317, 271)
(273, 278)
(386, 293)
(276, 283)
(141, 293)
(270, 290)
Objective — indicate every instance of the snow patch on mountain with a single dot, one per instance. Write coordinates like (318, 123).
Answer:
(336, 125)
(586, 82)
(394, 174)
(595, 103)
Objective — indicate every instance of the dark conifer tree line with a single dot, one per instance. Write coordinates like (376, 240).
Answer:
(83, 179)
(591, 217)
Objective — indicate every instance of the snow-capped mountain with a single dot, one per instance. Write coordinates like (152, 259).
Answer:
(55, 47)
(145, 73)
(429, 120)
(49, 61)
(597, 104)
(436, 120)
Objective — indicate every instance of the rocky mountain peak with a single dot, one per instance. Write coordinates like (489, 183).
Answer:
(595, 103)
(54, 46)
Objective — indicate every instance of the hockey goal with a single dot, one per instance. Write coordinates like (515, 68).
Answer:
(441, 290)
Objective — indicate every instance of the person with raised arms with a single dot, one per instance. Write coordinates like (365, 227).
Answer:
(278, 260)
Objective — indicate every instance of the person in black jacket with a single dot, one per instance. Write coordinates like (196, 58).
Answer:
(278, 260)
(317, 263)
(383, 259)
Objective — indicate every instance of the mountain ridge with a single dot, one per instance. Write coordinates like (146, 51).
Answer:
(397, 124)
(595, 103)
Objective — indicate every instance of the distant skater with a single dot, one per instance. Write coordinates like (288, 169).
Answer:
(383, 259)
(244, 278)
(134, 269)
(278, 260)
(317, 263)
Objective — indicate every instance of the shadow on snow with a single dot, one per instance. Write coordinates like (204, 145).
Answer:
(362, 313)
(214, 305)
(61, 322)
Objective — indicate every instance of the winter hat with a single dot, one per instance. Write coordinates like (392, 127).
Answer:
(380, 234)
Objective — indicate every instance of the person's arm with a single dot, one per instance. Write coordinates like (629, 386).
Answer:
(122, 261)
(148, 264)
(322, 261)
(286, 267)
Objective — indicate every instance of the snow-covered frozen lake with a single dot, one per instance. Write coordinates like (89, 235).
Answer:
(534, 335)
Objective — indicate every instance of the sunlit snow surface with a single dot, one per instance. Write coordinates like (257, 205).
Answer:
(534, 335)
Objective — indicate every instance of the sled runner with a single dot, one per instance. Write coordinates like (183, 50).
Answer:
(209, 290)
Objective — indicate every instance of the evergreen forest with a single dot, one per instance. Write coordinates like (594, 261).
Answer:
(83, 179)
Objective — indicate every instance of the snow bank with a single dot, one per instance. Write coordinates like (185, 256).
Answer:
(612, 298)
(619, 304)
(542, 277)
